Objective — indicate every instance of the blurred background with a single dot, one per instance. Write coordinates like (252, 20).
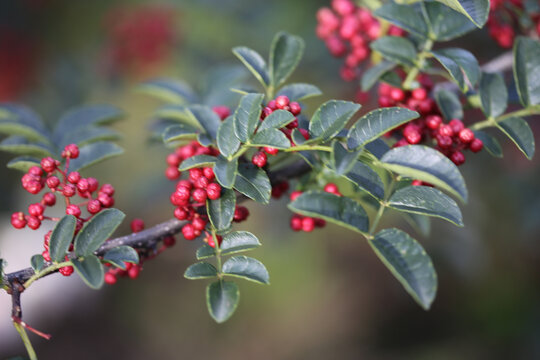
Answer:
(330, 296)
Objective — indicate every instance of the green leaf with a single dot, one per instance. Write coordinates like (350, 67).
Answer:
(23, 163)
(94, 153)
(377, 147)
(246, 268)
(200, 270)
(222, 299)
(426, 164)
(171, 91)
(285, 53)
(205, 252)
(409, 263)
(449, 105)
(253, 183)
(180, 132)
(120, 255)
(21, 120)
(225, 171)
(526, 74)
(37, 261)
(458, 61)
(491, 144)
(177, 113)
(227, 142)
(197, 161)
(374, 73)
(272, 138)
(337, 209)
(476, 10)
(247, 115)
(221, 211)
(342, 159)
(420, 223)
(254, 62)
(395, 48)
(90, 270)
(276, 120)
(493, 94)
(97, 230)
(84, 117)
(22, 146)
(445, 23)
(405, 17)
(204, 139)
(426, 200)
(88, 135)
(520, 133)
(297, 137)
(366, 179)
(376, 123)
(299, 91)
(207, 118)
(238, 241)
(61, 237)
(331, 117)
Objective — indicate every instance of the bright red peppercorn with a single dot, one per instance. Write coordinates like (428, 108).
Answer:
(213, 190)
(259, 159)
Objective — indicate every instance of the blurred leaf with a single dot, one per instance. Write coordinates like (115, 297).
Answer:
(254, 62)
(331, 117)
(246, 268)
(297, 137)
(493, 94)
(61, 238)
(395, 48)
(376, 123)
(409, 263)
(366, 179)
(227, 141)
(200, 270)
(120, 255)
(425, 200)
(180, 132)
(93, 153)
(97, 230)
(83, 117)
(238, 241)
(21, 120)
(21, 146)
(491, 144)
(339, 210)
(90, 270)
(458, 61)
(426, 164)
(404, 16)
(253, 183)
(445, 23)
(221, 211)
(420, 223)
(23, 163)
(87, 135)
(520, 133)
(197, 161)
(476, 10)
(285, 53)
(225, 171)
(171, 91)
(449, 105)
(526, 74)
(299, 91)
(247, 116)
(222, 299)
(276, 120)
(374, 73)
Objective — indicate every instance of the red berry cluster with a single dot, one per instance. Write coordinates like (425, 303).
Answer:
(133, 270)
(450, 138)
(504, 20)
(306, 223)
(68, 184)
(281, 102)
(347, 31)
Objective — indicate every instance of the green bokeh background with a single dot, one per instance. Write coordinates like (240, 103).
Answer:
(330, 297)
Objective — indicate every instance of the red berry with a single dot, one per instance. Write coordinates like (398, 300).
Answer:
(476, 145)
(241, 213)
(446, 130)
(66, 270)
(92, 184)
(189, 232)
(198, 223)
(433, 121)
(259, 159)
(46, 255)
(48, 164)
(69, 190)
(295, 194)
(202, 182)
(110, 278)
(172, 173)
(199, 195)
(107, 189)
(83, 185)
(35, 170)
(184, 184)
(53, 182)
(181, 213)
(282, 101)
(332, 189)
(36, 209)
(457, 158)
(466, 136)
(18, 220)
(74, 210)
(444, 142)
(169, 241)
(308, 224)
(74, 177)
(208, 172)
(416, 183)
(419, 94)
(222, 111)
(49, 199)
(213, 191)
(33, 222)
(295, 108)
(320, 223)
(457, 125)
(105, 200)
(134, 272)
(397, 95)
(270, 150)
(195, 173)
(93, 206)
(296, 223)
(71, 151)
